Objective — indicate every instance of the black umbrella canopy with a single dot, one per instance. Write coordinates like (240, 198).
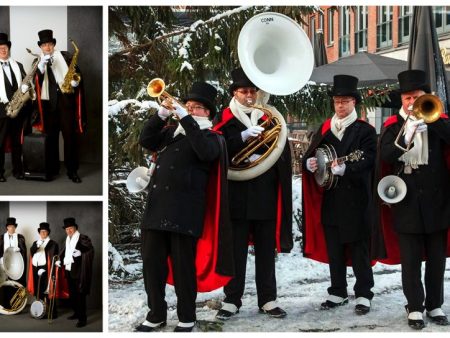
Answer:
(370, 69)
(320, 53)
(424, 52)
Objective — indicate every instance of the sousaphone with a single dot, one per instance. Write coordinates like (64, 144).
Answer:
(13, 295)
(276, 55)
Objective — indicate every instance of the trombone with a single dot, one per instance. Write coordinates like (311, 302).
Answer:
(51, 288)
(427, 107)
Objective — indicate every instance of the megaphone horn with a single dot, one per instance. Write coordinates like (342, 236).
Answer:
(392, 189)
(138, 179)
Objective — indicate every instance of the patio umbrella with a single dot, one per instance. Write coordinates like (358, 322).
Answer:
(320, 54)
(424, 52)
(370, 69)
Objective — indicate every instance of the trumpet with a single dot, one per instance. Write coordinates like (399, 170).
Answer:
(156, 88)
(427, 107)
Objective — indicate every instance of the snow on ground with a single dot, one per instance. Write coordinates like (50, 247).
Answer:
(302, 286)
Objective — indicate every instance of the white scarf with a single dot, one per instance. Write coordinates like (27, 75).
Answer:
(242, 113)
(338, 125)
(71, 243)
(39, 258)
(418, 153)
(203, 123)
(59, 69)
(14, 242)
(15, 72)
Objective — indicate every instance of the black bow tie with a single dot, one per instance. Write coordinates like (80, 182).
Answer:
(4, 63)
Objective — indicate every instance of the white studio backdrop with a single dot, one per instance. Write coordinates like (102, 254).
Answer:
(26, 22)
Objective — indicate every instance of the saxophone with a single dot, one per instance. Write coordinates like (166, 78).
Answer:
(19, 99)
(71, 74)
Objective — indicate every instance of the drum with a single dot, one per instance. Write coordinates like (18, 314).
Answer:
(13, 298)
(324, 177)
(13, 264)
(38, 309)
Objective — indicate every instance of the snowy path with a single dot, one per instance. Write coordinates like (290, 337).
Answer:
(302, 286)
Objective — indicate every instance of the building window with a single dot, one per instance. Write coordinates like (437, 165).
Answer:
(384, 26)
(442, 18)
(320, 21)
(312, 28)
(344, 32)
(361, 28)
(404, 23)
(330, 28)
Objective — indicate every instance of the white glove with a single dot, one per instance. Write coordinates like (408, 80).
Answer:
(180, 111)
(76, 253)
(311, 164)
(338, 169)
(43, 62)
(39, 243)
(40, 272)
(16, 249)
(163, 113)
(418, 126)
(254, 157)
(24, 88)
(58, 264)
(253, 131)
(74, 83)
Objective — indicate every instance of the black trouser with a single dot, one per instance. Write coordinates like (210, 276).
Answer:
(263, 237)
(359, 253)
(13, 129)
(157, 246)
(65, 121)
(77, 299)
(413, 249)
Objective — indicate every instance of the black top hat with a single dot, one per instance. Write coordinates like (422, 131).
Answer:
(240, 79)
(413, 79)
(11, 221)
(46, 35)
(70, 222)
(204, 93)
(346, 85)
(44, 226)
(4, 40)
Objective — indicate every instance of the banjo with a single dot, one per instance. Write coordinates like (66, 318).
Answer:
(38, 307)
(325, 156)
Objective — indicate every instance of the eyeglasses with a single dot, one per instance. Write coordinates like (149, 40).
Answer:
(247, 91)
(192, 108)
(342, 101)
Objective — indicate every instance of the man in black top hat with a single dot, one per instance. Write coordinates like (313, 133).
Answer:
(42, 253)
(77, 258)
(11, 75)
(59, 111)
(11, 239)
(337, 222)
(421, 220)
(186, 212)
(260, 207)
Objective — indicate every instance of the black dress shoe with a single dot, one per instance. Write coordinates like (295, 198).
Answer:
(416, 324)
(225, 315)
(81, 323)
(361, 309)
(74, 177)
(146, 328)
(2, 178)
(183, 329)
(328, 304)
(439, 320)
(276, 312)
(19, 176)
(72, 317)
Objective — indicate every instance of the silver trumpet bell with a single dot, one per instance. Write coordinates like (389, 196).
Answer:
(391, 189)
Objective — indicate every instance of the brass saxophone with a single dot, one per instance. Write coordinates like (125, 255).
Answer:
(19, 99)
(66, 87)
